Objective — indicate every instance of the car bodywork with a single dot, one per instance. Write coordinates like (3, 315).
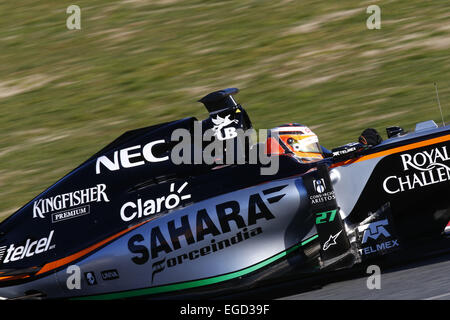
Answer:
(128, 223)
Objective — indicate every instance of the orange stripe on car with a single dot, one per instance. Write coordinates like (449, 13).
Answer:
(393, 151)
(61, 262)
(14, 277)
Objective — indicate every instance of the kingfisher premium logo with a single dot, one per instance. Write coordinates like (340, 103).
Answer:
(421, 169)
(63, 202)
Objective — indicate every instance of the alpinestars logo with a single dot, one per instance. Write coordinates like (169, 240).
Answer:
(220, 123)
(331, 241)
(430, 165)
(142, 208)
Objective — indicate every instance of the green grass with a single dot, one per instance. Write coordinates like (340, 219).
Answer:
(65, 94)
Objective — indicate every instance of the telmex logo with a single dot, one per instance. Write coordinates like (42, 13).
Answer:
(374, 230)
(30, 249)
(124, 158)
(138, 209)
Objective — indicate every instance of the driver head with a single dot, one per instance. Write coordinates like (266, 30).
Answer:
(296, 140)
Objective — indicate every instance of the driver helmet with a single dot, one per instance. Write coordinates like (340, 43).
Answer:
(295, 140)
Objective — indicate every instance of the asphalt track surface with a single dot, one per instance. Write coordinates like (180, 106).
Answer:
(428, 279)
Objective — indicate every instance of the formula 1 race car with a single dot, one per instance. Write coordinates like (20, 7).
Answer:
(131, 222)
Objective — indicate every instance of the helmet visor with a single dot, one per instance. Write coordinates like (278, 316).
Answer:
(306, 147)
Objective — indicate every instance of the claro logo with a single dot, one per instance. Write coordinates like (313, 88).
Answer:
(144, 207)
(130, 157)
(31, 248)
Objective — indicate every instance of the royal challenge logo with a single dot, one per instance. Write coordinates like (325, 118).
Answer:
(420, 169)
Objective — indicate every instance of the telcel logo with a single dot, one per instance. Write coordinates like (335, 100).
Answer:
(123, 158)
(30, 248)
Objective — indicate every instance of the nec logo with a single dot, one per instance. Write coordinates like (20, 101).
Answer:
(374, 230)
(126, 158)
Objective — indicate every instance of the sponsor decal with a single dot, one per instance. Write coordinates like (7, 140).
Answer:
(69, 214)
(69, 200)
(145, 207)
(221, 124)
(319, 185)
(420, 169)
(31, 248)
(134, 156)
(374, 230)
(331, 241)
(376, 238)
(322, 217)
(321, 196)
(228, 215)
(2, 252)
(90, 278)
(110, 274)
(210, 248)
(384, 246)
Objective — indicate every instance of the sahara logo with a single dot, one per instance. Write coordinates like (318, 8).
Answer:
(212, 247)
(28, 250)
(221, 123)
(123, 158)
(430, 165)
(69, 200)
(227, 218)
(132, 210)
